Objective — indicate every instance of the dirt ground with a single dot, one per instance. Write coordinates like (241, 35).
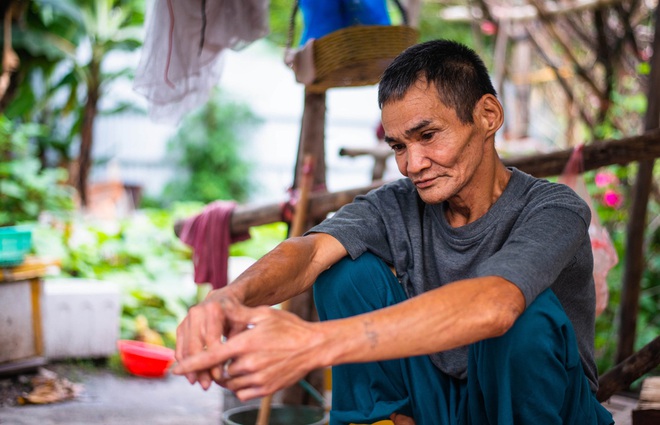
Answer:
(112, 398)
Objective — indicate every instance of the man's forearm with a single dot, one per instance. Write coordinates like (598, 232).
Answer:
(445, 318)
(286, 271)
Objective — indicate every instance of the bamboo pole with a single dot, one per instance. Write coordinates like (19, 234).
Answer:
(297, 229)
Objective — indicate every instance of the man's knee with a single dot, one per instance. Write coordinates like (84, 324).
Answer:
(542, 331)
(343, 279)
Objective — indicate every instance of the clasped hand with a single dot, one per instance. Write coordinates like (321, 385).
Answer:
(250, 351)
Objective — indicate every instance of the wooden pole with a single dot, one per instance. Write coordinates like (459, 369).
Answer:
(297, 229)
(312, 142)
(596, 155)
(312, 137)
(628, 371)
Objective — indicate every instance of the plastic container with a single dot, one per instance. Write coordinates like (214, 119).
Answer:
(15, 243)
(144, 359)
(279, 415)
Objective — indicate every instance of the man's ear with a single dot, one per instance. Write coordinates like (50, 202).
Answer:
(489, 113)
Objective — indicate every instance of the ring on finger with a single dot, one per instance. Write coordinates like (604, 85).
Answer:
(225, 370)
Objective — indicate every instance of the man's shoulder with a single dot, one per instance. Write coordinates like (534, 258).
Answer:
(394, 201)
(544, 193)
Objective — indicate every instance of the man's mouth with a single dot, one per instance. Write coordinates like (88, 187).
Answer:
(423, 183)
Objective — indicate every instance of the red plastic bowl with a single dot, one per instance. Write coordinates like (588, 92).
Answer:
(144, 359)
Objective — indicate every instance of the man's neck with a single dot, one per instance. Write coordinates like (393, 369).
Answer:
(475, 201)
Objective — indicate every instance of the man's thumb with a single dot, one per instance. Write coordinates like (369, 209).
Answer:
(236, 314)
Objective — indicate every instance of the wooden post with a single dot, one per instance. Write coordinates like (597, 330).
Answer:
(312, 137)
(312, 144)
(634, 259)
(35, 295)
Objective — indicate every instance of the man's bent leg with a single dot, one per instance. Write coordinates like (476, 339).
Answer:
(368, 392)
(532, 374)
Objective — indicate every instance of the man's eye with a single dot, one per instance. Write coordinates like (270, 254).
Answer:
(427, 136)
(397, 147)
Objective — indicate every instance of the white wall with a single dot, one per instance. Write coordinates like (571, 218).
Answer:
(257, 76)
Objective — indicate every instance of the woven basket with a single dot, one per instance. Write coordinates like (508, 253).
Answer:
(358, 55)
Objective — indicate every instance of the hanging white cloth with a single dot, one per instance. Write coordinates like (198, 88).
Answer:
(182, 56)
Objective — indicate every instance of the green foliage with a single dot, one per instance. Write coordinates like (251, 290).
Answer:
(615, 220)
(431, 28)
(208, 150)
(279, 17)
(25, 189)
(63, 46)
(628, 104)
(140, 253)
(163, 310)
(262, 239)
(144, 257)
(142, 248)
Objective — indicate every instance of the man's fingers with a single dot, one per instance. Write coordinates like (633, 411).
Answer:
(180, 338)
(214, 327)
(244, 318)
(204, 379)
(196, 342)
(216, 374)
(234, 315)
(200, 350)
(203, 361)
(181, 350)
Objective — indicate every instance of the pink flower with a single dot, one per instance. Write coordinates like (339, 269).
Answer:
(612, 198)
(605, 179)
(488, 28)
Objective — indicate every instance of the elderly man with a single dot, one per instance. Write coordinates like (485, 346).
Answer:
(461, 294)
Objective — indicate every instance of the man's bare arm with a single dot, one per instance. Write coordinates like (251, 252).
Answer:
(286, 271)
(452, 316)
(281, 348)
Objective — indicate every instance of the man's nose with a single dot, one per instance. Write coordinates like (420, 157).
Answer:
(417, 160)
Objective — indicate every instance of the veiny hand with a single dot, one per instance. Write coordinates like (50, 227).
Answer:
(202, 329)
(275, 351)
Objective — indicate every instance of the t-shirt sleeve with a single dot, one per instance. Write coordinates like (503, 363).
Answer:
(536, 252)
(359, 227)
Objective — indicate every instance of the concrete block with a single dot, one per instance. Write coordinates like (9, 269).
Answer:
(80, 318)
(17, 322)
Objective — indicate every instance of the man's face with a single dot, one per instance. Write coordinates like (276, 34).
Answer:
(432, 147)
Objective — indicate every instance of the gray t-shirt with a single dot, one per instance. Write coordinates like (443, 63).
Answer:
(535, 235)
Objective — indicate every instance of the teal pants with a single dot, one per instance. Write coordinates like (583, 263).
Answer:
(532, 375)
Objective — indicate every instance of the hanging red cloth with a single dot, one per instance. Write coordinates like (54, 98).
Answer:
(209, 236)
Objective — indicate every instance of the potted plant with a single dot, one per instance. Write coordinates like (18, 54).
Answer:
(26, 189)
